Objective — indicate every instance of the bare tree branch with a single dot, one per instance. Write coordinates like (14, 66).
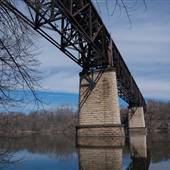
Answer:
(17, 61)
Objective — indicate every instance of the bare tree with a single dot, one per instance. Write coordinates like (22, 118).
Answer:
(120, 6)
(17, 71)
(151, 114)
(17, 62)
(157, 115)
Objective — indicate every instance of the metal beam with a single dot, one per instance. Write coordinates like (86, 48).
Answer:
(79, 27)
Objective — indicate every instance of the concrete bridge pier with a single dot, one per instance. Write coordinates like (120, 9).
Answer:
(136, 120)
(99, 112)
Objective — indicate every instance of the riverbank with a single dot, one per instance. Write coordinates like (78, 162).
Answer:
(64, 120)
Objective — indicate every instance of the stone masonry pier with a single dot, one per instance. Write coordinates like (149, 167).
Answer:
(99, 112)
(136, 120)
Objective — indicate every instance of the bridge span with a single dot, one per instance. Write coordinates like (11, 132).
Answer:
(82, 36)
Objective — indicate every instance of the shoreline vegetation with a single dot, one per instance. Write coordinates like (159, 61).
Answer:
(64, 120)
(60, 121)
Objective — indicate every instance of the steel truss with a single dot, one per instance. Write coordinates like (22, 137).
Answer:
(82, 36)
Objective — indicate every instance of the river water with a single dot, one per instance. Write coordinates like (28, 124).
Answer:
(58, 152)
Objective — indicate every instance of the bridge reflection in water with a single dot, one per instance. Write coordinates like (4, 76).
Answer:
(139, 153)
(102, 154)
(59, 152)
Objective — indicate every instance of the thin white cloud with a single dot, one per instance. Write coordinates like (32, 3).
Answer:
(144, 47)
(67, 82)
(154, 88)
(144, 32)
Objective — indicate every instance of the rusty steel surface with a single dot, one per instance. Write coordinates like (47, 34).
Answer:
(82, 36)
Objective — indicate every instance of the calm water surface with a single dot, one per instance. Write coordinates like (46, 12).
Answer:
(58, 152)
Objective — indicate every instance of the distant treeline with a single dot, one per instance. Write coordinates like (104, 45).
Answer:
(157, 116)
(64, 120)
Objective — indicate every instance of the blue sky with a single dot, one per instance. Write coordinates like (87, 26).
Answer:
(48, 101)
(144, 45)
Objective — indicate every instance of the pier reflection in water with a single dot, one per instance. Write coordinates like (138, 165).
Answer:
(100, 153)
(54, 152)
(107, 153)
(139, 152)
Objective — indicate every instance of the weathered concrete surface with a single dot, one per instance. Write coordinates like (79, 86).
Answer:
(100, 158)
(100, 130)
(99, 112)
(136, 120)
(100, 141)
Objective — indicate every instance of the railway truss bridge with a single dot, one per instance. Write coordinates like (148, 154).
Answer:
(75, 28)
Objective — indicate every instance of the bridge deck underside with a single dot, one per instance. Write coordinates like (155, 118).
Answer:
(82, 36)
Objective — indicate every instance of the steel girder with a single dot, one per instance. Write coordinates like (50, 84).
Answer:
(82, 36)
